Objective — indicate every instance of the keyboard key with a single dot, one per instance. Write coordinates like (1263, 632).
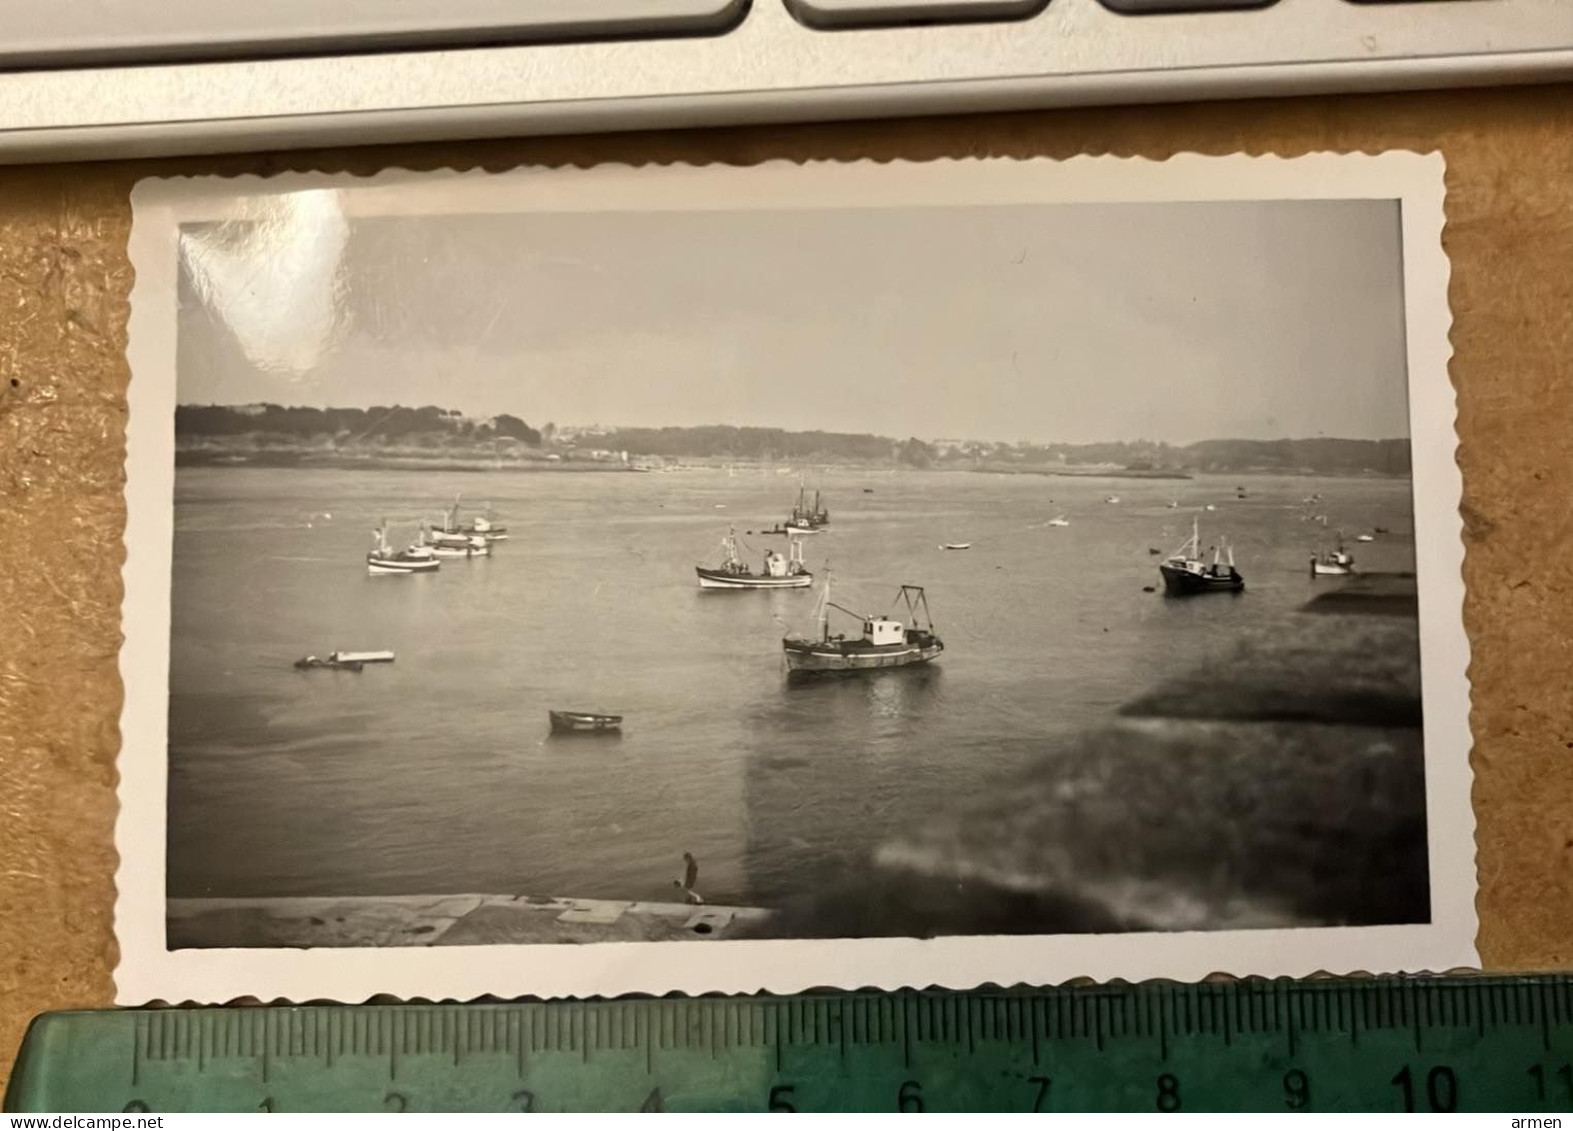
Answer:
(873, 13)
(65, 32)
(1138, 7)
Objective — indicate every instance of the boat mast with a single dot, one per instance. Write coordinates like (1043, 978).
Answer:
(824, 609)
(921, 600)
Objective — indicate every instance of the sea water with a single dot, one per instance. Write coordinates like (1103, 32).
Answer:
(438, 773)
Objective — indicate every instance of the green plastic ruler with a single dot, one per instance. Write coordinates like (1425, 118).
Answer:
(1467, 1044)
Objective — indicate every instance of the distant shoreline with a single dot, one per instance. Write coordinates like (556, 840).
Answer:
(312, 461)
(308, 461)
(1072, 471)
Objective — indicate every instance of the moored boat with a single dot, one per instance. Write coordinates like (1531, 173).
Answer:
(449, 545)
(1185, 572)
(349, 661)
(584, 722)
(383, 559)
(1060, 520)
(312, 663)
(884, 642)
(380, 657)
(1336, 562)
(776, 572)
(483, 525)
(955, 545)
(805, 515)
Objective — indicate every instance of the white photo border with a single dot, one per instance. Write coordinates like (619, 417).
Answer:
(149, 971)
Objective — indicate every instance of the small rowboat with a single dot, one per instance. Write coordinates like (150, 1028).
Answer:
(312, 663)
(380, 657)
(956, 546)
(344, 661)
(584, 722)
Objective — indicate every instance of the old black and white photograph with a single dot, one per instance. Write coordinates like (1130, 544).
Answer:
(723, 578)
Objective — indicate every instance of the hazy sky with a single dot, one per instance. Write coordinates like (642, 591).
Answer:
(1066, 322)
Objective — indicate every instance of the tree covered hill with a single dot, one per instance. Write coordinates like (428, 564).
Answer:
(217, 427)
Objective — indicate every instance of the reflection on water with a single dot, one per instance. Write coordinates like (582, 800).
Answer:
(437, 773)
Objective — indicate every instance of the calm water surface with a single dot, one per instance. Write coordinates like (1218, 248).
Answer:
(436, 773)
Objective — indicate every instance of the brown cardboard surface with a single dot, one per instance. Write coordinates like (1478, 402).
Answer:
(64, 282)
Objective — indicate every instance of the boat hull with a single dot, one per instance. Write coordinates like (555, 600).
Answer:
(1323, 569)
(376, 565)
(1183, 583)
(382, 657)
(815, 657)
(579, 722)
(719, 579)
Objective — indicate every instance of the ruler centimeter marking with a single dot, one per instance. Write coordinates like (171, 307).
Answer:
(1431, 1044)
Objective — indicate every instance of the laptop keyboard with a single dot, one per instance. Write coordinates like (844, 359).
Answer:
(157, 76)
(119, 31)
(68, 33)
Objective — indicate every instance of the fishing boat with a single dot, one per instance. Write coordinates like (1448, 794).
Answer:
(884, 642)
(383, 559)
(1060, 521)
(1186, 573)
(1111, 499)
(471, 551)
(776, 572)
(1365, 538)
(351, 661)
(448, 545)
(791, 530)
(584, 722)
(806, 515)
(481, 526)
(1333, 563)
(312, 663)
(955, 545)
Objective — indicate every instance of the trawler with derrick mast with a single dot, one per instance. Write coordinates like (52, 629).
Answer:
(884, 641)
